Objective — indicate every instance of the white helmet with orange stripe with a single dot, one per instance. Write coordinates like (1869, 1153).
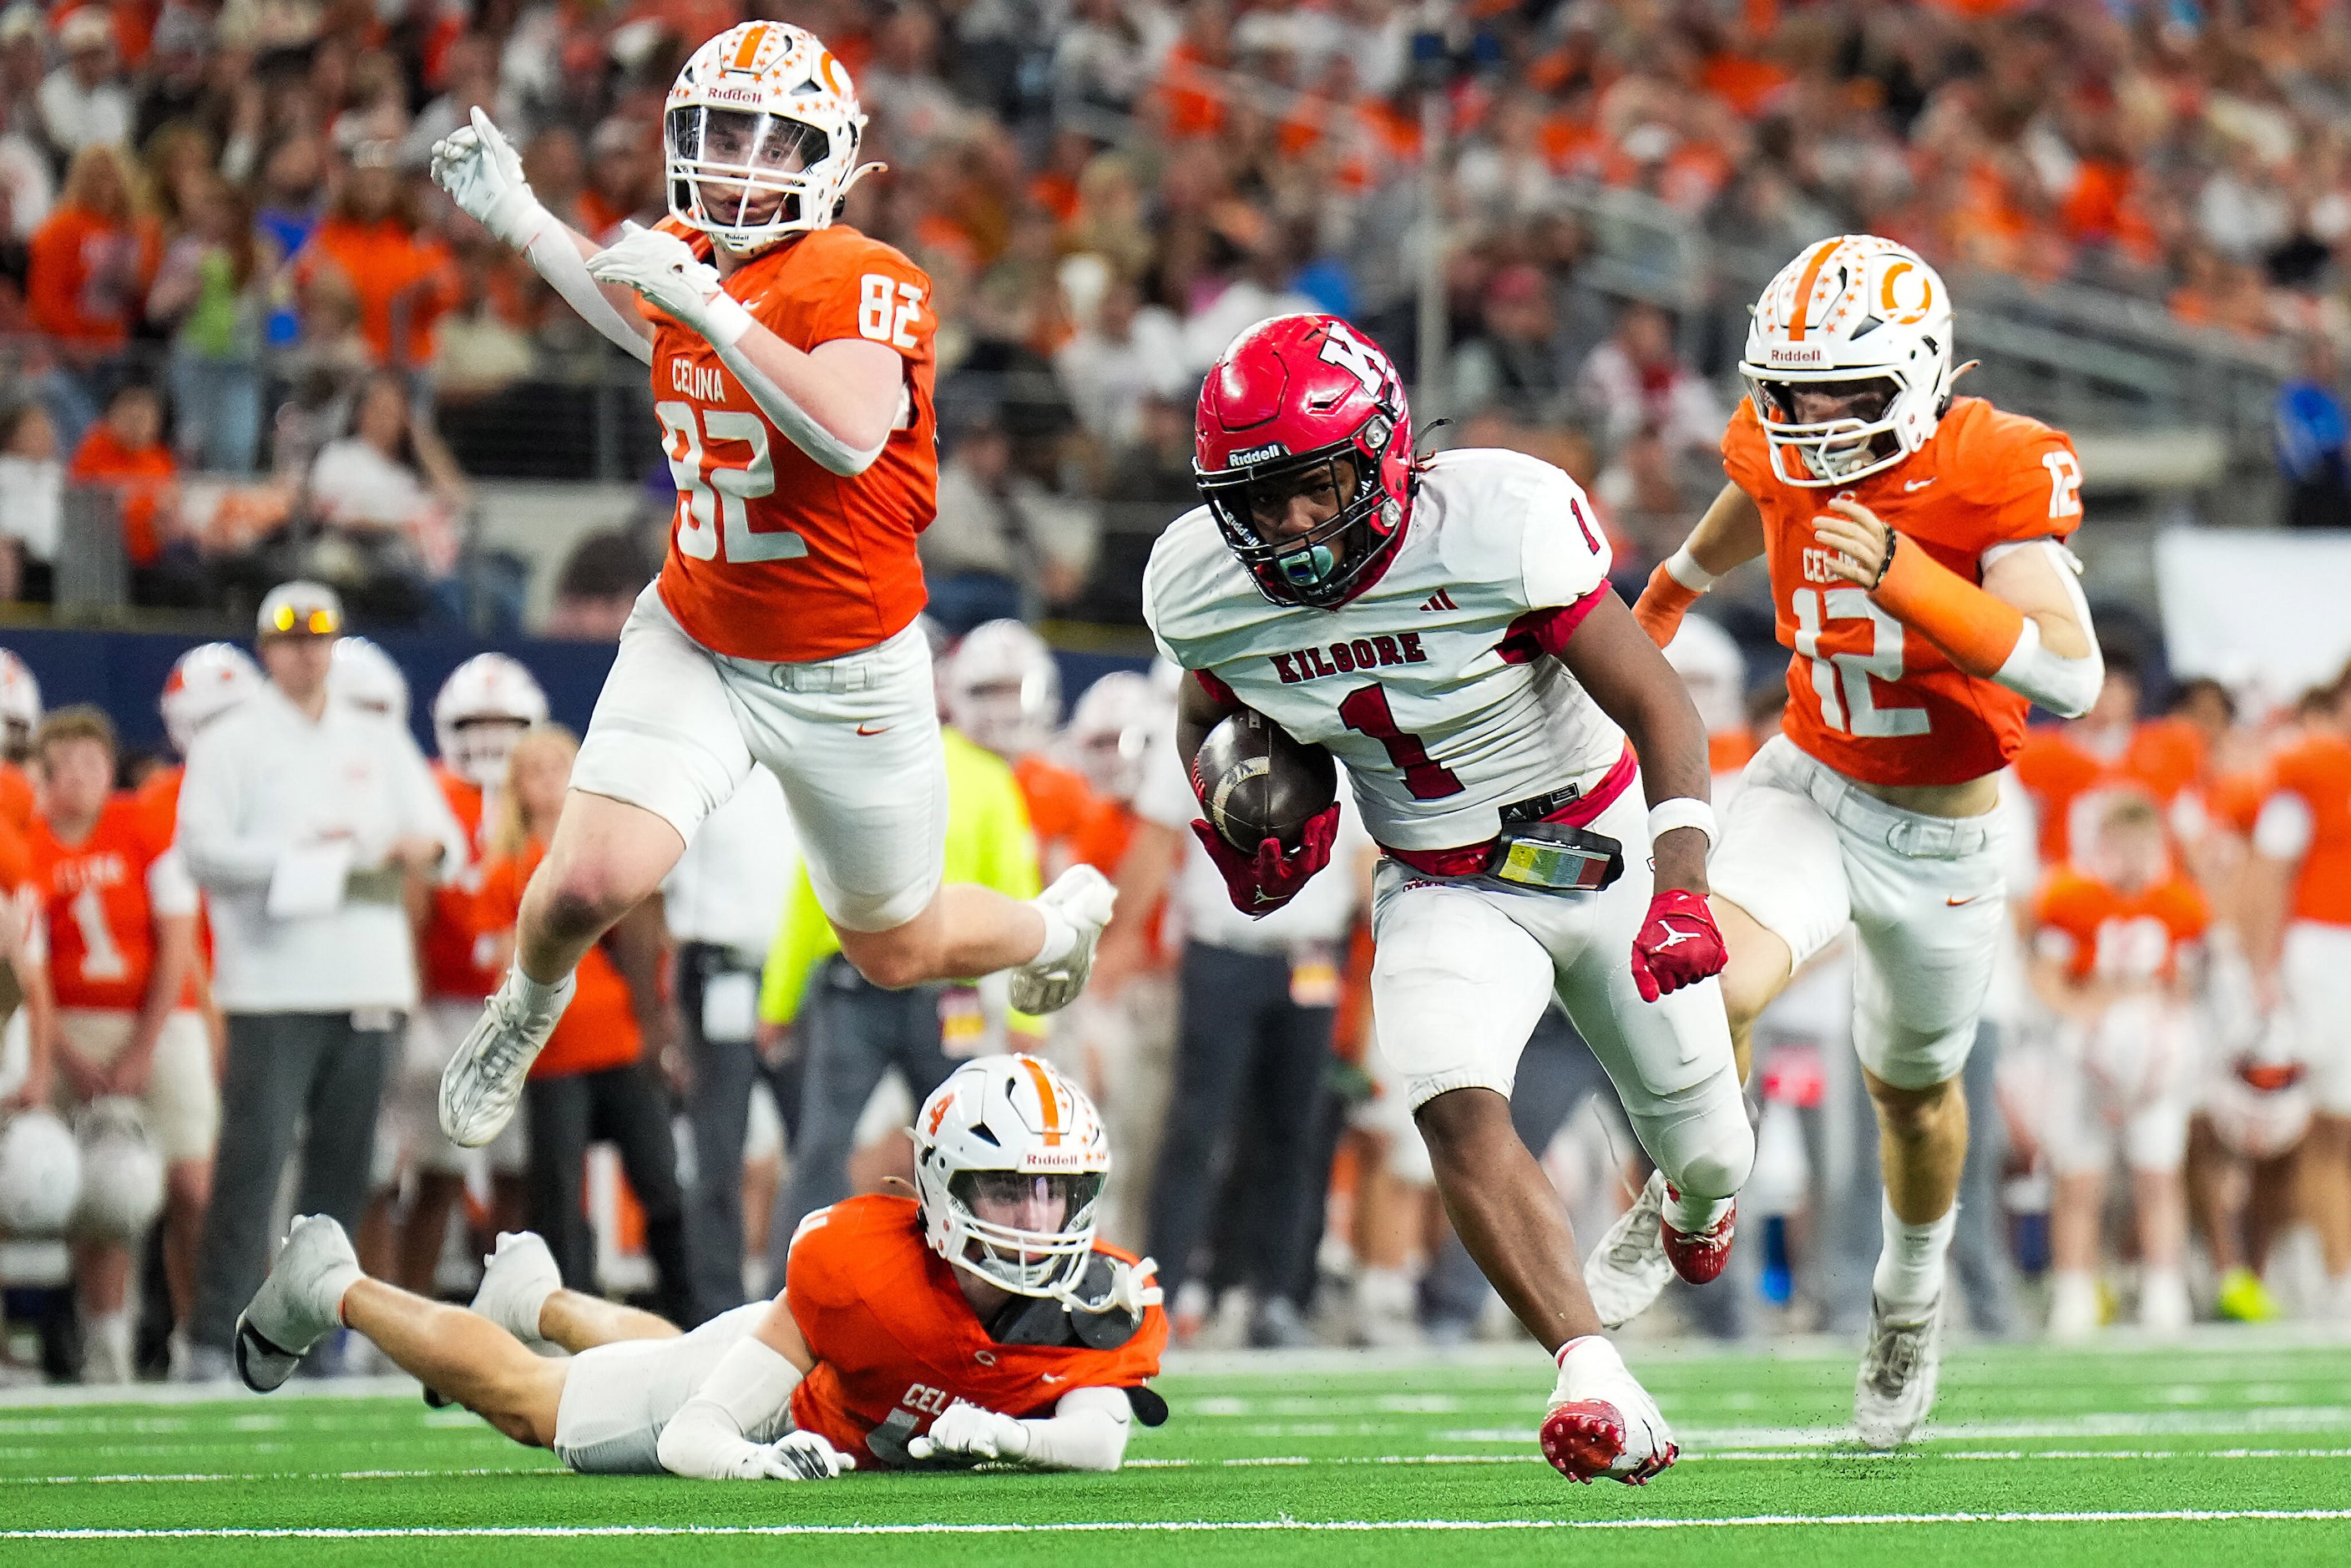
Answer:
(208, 682)
(760, 135)
(1849, 360)
(483, 709)
(1012, 1135)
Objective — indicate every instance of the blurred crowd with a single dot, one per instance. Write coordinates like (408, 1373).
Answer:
(2161, 1098)
(226, 207)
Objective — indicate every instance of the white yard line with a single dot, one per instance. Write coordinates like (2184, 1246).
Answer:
(1212, 1527)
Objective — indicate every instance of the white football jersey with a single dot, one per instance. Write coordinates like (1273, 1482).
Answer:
(1430, 684)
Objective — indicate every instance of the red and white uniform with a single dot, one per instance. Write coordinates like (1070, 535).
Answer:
(1803, 850)
(1438, 687)
(781, 629)
(895, 1339)
(101, 900)
(2306, 818)
(2126, 1082)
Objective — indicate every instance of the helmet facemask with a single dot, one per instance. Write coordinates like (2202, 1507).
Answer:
(1027, 1262)
(479, 745)
(1319, 567)
(747, 178)
(1842, 426)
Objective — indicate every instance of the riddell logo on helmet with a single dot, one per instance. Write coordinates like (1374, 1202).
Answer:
(732, 94)
(1790, 354)
(1258, 454)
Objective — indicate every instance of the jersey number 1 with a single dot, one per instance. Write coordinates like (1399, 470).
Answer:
(1365, 711)
(712, 502)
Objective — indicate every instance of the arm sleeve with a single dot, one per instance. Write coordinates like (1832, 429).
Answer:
(2284, 829)
(747, 1391)
(804, 939)
(171, 891)
(1086, 1431)
(219, 854)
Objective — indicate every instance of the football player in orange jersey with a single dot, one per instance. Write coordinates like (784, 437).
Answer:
(792, 364)
(20, 710)
(2297, 915)
(979, 1320)
(119, 914)
(2117, 950)
(1914, 541)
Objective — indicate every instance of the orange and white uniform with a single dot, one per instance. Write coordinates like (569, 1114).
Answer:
(2066, 778)
(895, 1343)
(100, 902)
(2128, 1079)
(2306, 818)
(1803, 849)
(781, 629)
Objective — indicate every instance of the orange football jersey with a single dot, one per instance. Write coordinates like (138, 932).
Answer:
(1868, 695)
(1072, 823)
(95, 905)
(2118, 935)
(771, 556)
(15, 859)
(2318, 769)
(897, 1342)
(17, 802)
(2164, 756)
(598, 1029)
(458, 945)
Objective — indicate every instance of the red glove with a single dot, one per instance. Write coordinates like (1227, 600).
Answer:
(1262, 883)
(1677, 946)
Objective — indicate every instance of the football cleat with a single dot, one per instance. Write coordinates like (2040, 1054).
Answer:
(483, 1083)
(1896, 1387)
(1603, 1423)
(2244, 1298)
(517, 1279)
(1699, 1257)
(1629, 1267)
(300, 1304)
(1083, 897)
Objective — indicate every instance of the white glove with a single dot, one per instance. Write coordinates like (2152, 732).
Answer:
(482, 175)
(802, 1456)
(661, 267)
(974, 1432)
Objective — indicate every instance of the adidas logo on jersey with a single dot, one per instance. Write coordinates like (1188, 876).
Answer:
(1440, 599)
(1345, 658)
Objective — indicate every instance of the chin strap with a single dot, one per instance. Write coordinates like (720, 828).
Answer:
(1128, 1291)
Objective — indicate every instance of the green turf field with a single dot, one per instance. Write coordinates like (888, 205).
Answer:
(2233, 1450)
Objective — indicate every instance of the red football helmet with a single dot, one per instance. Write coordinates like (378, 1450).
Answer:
(1283, 405)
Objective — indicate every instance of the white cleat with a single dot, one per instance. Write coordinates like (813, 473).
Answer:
(300, 1304)
(1896, 1387)
(517, 1279)
(1628, 1270)
(1083, 897)
(483, 1083)
(1602, 1423)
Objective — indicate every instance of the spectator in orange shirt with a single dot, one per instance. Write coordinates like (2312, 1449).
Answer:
(592, 1081)
(88, 270)
(402, 275)
(125, 453)
(2064, 767)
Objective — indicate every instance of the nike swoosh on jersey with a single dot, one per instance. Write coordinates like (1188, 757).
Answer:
(871, 729)
(1908, 485)
(1958, 902)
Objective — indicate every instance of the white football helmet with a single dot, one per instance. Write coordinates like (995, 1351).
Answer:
(483, 709)
(208, 681)
(1003, 689)
(122, 1171)
(1002, 1119)
(759, 136)
(1858, 316)
(40, 1174)
(1714, 671)
(1110, 728)
(365, 677)
(20, 705)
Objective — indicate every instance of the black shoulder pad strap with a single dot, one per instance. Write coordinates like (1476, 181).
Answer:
(1042, 1320)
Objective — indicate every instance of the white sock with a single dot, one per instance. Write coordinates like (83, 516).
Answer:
(1691, 1215)
(2163, 1301)
(1910, 1269)
(527, 1306)
(338, 1285)
(2074, 1304)
(1579, 1362)
(108, 1350)
(538, 996)
(1061, 937)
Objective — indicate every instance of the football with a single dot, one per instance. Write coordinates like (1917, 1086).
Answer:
(1257, 783)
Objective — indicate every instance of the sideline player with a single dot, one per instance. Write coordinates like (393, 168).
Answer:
(792, 365)
(1446, 628)
(979, 1320)
(1919, 572)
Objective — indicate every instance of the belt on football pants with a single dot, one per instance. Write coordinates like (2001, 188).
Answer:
(1914, 835)
(1572, 806)
(857, 672)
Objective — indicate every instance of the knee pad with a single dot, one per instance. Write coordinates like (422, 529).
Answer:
(1701, 1138)
(40, 1174)
(122, 1173)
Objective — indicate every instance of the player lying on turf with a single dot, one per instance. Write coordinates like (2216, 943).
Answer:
(1445, 628)
(979, 1320)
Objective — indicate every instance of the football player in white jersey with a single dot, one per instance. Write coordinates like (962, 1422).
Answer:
(1446, 628)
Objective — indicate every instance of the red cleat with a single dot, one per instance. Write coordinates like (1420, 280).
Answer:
(1699, 1258)
(1586, 1439)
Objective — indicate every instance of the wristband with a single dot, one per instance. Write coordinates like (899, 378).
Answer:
(723, 321)
(1975, 630)
(1684, 569)
(1681, 811)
